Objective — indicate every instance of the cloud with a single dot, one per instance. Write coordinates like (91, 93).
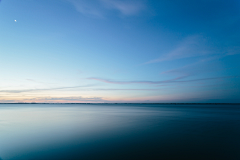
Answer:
(7, 101)
(99, 8)
(68, 99)
(88, 8)
(114, 89)
(134, 82)
(233, 50)
(175, 80)
(39, 82)
(76, 99)
(203, 65)
(74, 87)
(191, 46)
(196, 46)
(127, 7)
(199, 67)
(31, 80)
(43, 89)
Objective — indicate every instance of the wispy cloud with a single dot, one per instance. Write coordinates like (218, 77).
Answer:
(76, 99)
(7, 101)
(115, 89)
(175, 80)
(135, 82)
(195, 68)
(86, 87)
(191, 46)
(98, 8)
(39, 82)
(88, 8)
(125, 7)
(196, 46)
(67, 99)
(43, 89)
(204, 65)
(79, 88)
(233, 50)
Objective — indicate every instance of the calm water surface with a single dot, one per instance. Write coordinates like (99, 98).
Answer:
(120, 131)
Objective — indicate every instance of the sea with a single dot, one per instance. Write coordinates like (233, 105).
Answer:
(119, 131)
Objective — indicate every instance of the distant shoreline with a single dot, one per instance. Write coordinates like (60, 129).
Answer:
(140, 103)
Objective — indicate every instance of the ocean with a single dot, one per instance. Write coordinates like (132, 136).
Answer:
(119, 131)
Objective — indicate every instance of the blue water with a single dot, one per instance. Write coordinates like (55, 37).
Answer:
(119, 131)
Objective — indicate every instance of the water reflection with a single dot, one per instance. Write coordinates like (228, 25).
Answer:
(63, 131)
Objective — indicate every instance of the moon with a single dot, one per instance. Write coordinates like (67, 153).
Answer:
(15, 20)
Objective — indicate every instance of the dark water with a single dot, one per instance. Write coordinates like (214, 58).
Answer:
(121, 131)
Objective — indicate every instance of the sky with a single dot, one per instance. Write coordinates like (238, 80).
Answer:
(113, 51)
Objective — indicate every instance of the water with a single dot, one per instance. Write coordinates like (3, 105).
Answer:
(119, 131)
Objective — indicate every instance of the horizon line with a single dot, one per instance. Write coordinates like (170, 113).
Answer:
(125, 103)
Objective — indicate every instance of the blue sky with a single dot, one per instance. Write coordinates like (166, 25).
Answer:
(119, 51)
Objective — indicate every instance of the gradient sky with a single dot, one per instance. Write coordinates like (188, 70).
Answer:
(119, 51)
